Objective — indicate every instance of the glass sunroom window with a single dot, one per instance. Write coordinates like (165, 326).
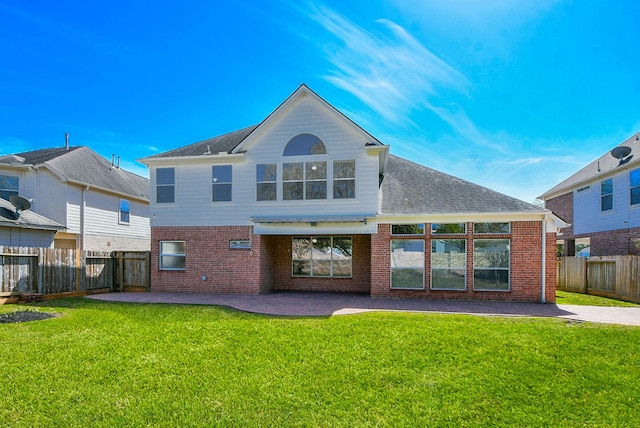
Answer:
(491, 259)
(407, 263)
(448, 264)
(448, 228)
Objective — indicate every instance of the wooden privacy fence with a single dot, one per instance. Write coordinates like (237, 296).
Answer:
(617, 277)
(25, 270)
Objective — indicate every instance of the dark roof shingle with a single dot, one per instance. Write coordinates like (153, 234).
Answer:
(410, 188)
(81, 164)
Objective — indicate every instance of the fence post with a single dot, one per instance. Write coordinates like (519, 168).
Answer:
(120, 267)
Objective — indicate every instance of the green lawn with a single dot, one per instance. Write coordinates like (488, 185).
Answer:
(108, 364)
(567, 298)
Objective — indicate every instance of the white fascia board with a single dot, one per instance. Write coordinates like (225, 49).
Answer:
(181, 160)
(463, 217)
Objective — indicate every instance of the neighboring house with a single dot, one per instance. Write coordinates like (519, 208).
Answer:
(307, 200)
(25, 228)
(601, 202)
(100, 206)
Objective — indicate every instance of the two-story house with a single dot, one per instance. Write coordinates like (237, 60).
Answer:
(100, 206)
(308, 200)
(601, 202)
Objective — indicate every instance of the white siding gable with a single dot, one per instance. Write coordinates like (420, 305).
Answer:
(303, 115)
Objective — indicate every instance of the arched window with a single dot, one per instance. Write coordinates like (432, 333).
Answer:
(305, 144)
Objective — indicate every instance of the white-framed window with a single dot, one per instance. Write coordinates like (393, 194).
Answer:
(322, 256)
(634, 186)
(304, 145)
(304, 180)
(606, 194)
(221, 183)
(407, 263)
(448, 264)
(407, 229)
(491, 264)
(165, 185)
(9, 185)
(266, 181)
(491, 228)
(125, 212)
(172, 255)
(344, 179)
(449, 228)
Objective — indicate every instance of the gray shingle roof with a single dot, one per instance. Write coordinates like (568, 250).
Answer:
(410, 188)
(600, 167)
(223, 143)
(27, 219)
(83, 165)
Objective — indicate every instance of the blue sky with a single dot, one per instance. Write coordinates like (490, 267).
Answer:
(512, 95)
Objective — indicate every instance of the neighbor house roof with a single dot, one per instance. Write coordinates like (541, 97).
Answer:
(411, 188)
(26, 219)
(82, 165)
(600, 168)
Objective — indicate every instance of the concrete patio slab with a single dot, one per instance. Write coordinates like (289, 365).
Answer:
(330, 304)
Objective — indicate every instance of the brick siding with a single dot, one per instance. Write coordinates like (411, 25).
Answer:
(267, 266)
(562, 206)
(525, 272)
(620, 242)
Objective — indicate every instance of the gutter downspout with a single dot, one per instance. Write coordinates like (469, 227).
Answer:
(544, 259)
(83, 218)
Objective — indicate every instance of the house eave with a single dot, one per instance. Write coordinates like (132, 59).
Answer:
(212, 158)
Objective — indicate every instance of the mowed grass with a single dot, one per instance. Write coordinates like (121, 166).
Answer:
(110, 364)
(568, 298)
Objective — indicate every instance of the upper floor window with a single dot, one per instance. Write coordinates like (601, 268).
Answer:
(606, 194)
(266, 181)
(9, 185)
(305, 144)
(221, 188)
(125, 213)
(344, 179)
(304, 180)
(634, 183)
(165, 185)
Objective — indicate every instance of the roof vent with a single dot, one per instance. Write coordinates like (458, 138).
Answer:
(622, 154)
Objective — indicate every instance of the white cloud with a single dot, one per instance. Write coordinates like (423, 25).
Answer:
(386, 69)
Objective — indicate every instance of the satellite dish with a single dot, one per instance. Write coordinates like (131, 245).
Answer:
(620, 153)
(21, 204)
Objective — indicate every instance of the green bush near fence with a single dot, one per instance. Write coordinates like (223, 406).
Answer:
(109, 364)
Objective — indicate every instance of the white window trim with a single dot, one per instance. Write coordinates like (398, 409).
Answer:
(508, 269)
(400, 267)
(120, 221)
(161, 254)
(466, 252)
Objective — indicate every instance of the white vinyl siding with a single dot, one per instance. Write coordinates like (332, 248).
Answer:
(342, 140)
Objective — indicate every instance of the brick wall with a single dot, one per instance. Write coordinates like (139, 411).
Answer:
(562, 206)
(208, 253)
(525, 272)
(620, 242)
